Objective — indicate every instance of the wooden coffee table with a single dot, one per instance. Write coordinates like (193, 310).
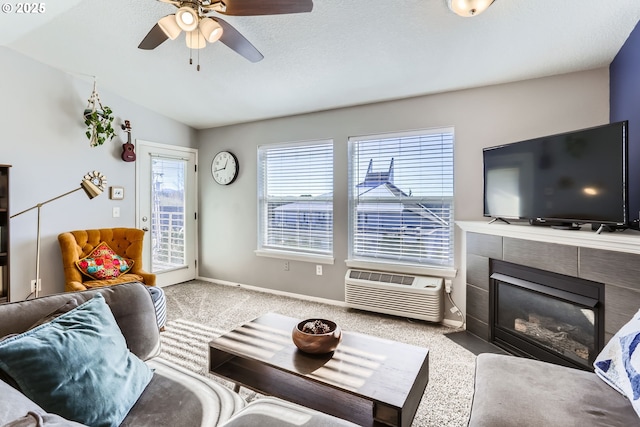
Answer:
(369, 381)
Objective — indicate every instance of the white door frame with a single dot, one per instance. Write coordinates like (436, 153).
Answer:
(169, 278)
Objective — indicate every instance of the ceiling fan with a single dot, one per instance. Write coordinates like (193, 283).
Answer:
(196, 18)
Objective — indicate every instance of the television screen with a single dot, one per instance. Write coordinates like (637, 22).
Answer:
(576, 177)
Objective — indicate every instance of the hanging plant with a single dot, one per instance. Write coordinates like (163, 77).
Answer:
(98, 119)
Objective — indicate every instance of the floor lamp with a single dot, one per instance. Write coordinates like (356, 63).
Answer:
(93, 185)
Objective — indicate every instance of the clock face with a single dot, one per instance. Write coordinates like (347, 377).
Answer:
(224, 168)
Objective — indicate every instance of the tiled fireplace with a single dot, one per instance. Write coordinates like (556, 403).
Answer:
(544, 315)
(594, 288)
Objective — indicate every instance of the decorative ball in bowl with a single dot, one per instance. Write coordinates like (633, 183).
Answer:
(316, 336)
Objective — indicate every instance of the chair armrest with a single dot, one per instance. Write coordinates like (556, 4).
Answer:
(74, 286)
(149, 278)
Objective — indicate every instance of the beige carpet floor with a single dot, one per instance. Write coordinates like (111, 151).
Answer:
(198, 311)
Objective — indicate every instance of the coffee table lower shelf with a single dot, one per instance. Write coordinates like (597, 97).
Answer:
(273, 382)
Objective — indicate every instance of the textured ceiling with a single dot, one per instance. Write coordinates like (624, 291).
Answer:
(343, 53)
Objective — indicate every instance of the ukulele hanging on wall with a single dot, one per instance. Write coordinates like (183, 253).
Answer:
(128, 155)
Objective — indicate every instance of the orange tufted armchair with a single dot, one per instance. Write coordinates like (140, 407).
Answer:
(126, 242)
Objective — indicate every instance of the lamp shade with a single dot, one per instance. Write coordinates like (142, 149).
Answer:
(90, 189)
(468, 8)
(195, 39)
(170, 26)
(210, 29)
(187, 18)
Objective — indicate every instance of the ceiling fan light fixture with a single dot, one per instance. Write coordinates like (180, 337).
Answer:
(210, 29)
(169, 25)
(469, 8)
(195, 39)
(187, 18)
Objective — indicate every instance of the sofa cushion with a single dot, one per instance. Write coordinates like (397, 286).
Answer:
(15, 406)
(35, 419)
(272, 412)
(516, 391)
(77, 366)
(178, 397)
(618, 364)
(17, 410)
(103, 263)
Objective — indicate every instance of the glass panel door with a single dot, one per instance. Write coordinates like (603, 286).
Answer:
(166, 180)
(167, 214)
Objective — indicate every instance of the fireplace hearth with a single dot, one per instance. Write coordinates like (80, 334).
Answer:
(544, 315)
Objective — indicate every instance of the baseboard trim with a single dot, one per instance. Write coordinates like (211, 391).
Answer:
(452, 323)
(275, 292)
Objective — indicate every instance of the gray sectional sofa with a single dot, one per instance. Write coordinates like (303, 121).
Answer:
(515, 391)
(172, 397)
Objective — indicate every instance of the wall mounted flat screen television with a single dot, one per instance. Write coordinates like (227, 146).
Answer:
(567, 179)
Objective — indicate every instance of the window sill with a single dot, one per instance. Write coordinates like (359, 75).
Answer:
(444, 272)
(295, 256)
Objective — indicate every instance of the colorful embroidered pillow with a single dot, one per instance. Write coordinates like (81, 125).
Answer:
(103, 263)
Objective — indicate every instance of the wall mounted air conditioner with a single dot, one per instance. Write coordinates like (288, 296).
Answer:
(417, 297)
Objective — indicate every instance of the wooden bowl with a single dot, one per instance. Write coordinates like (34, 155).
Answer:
(316, 343)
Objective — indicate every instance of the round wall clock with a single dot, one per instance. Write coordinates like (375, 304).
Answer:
(224, 168)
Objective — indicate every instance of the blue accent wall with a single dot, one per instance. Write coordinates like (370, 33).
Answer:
(624, 100)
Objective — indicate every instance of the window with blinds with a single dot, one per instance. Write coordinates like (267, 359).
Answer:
(295, 197)
(401, 198)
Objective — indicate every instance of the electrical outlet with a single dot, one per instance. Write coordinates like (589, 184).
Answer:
(447, 285)
(318, 270)
(286, 266)
(33, 285)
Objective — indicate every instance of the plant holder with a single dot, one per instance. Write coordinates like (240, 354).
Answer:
(98, 119)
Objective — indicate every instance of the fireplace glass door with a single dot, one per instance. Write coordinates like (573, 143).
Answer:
(545, 321)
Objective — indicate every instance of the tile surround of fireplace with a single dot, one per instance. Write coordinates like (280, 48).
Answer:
(611, 259)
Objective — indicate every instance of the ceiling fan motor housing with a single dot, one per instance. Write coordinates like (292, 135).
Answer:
(194, 17)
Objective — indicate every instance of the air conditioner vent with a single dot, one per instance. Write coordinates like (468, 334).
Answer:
(418, 297)
(375, 276)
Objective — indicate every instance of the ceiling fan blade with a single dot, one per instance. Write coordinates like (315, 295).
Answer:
(262, 7)
(153, 39)
(236, 41)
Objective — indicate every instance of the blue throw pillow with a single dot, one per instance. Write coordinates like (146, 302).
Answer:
(78, 366)
(618, 364)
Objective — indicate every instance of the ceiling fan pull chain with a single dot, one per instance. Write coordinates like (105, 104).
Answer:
(190, 50)
(198, 67)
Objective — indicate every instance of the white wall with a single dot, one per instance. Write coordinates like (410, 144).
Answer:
(42, 137)
(481, 117)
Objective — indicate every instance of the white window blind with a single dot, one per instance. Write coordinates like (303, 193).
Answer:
(401, 198)
(295, 197)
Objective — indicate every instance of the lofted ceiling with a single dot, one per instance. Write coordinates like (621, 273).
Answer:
(343, 53)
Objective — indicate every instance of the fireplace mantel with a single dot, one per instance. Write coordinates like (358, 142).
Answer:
(620, 241)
